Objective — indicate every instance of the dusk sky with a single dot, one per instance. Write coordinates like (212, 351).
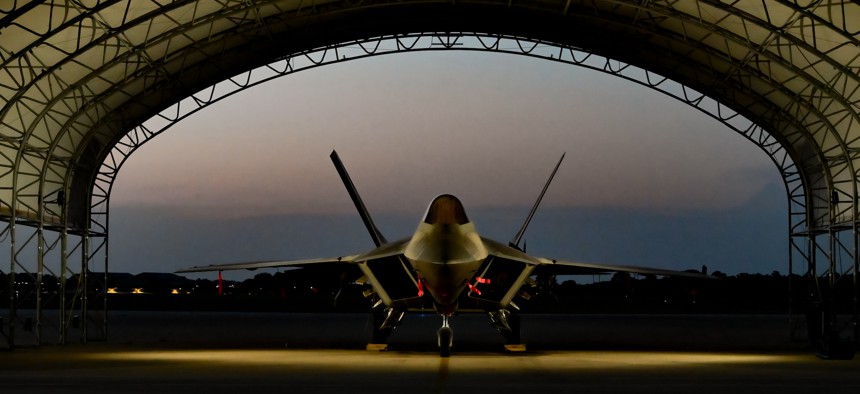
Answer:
(253, 170)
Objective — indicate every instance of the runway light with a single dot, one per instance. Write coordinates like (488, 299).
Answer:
(112, 290)
(137, 290)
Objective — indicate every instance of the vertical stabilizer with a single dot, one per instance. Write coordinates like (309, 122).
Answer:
(516, 241)
(378, 239)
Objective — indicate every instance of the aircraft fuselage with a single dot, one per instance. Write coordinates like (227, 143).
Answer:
(446, 251)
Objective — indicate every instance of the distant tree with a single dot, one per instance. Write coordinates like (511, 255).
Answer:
(621, 277)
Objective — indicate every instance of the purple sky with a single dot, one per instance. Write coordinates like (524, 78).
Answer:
(485, 127)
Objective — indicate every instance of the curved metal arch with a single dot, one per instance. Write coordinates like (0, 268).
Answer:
(110, 34)
(810, 80)
(841, 144)
(423, 42)
(803, 12)
(615, 12)
(30, 82)
(728, 35)
(181, 30)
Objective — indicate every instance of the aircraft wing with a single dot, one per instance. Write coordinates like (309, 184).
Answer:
(387, 250)
(563, 267)
(271, 264)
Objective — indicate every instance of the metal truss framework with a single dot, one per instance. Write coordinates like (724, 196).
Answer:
(84, 83)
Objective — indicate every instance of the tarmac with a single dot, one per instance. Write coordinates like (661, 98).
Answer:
(321, 353)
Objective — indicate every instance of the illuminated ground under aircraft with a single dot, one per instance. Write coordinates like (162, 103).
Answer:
(447, 264)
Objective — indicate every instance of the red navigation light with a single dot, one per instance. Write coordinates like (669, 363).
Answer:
(420, 287)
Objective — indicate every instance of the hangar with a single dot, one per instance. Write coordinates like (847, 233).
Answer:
(85, 82)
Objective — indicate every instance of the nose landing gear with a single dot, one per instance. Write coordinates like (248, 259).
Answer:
(445, 338)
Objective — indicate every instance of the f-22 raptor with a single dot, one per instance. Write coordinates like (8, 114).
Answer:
(446, 263)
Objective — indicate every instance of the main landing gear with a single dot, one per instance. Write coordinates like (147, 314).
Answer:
(384, 323)
(508, 325)
(445, 338)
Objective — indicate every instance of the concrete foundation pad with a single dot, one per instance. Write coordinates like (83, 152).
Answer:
(378, 347)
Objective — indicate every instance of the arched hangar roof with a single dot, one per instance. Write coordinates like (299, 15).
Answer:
(75, 76)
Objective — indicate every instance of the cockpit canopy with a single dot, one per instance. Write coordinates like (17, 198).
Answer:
(446, 209)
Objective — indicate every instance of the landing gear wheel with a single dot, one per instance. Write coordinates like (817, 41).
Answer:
(446, 338)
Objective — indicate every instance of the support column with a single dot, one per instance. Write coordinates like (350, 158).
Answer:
(82, 278)
(796, 314)
(831, 310)
(13, 316)
(814, 320)
(64, 317)
(40, 269)
(105, 288)
(855, 249)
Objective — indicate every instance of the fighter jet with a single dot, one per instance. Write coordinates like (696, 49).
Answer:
(446, 263)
